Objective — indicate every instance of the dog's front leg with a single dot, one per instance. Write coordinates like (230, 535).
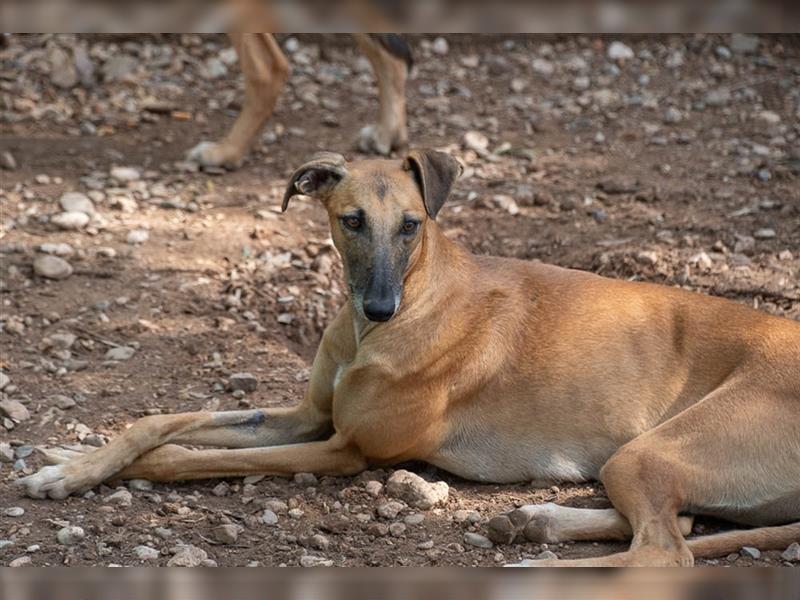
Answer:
(334, 456)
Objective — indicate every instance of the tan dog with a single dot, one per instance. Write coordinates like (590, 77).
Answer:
(265, 70)
(501, 370)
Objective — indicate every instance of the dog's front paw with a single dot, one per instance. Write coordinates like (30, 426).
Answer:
(213, 154)
(47, 482)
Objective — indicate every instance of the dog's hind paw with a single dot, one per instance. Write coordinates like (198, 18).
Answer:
(213, 154)
(374, 139)
(47, 482)
(531, 522)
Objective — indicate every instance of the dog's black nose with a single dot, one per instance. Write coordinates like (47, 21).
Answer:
(379, 310)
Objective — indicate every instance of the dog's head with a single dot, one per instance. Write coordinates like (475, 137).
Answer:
(379, 212)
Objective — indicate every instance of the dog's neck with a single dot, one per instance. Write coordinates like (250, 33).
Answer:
(439, 266)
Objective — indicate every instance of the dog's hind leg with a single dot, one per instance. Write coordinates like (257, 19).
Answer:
(552, 523)
(265, 70)
(390, 58)
(718, 457)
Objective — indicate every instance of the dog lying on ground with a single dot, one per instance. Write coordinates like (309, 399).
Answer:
(502, 370)
(265, 70)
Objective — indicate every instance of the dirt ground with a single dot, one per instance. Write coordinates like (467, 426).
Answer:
(678, 165)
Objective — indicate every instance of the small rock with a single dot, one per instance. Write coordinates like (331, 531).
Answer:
(188, 556)
(221, 489)
(22, 561)
(397, 529)
(57, 248)
(414, 519)
(315, 561)
(415, 491)
(750, 552)
(702, 260)
(14, 511)
(792, 553)
(744, 43)
(619, 185)
(146, 553)
(542, 66)
(125, 174)
(119, 66)
(374, 488)
(764, 234)
(440, 46)
(306, 479)
(477, 540)
(52, 267)
(295, 513)
(476, 141)
(648, 258)
(269, 518)
(723, 52)
(243, 381)
(426, 545)
(14, 410)
(673, 115)
(769, 117)
(619, 51)
(141, 485)
(71, 535)
(70, 220)
(63, 402)
(137, 236)
(718, 97)
(121, 498)
(4, 380)
(546, 555)
(506, 203)
(76, 202)
(63, 340)
(120, 353)
(7, 161)
(227, 533)
(390, 510)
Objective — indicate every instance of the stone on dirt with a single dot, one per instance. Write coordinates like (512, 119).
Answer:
(227, 533)
(477, 540)
(415, 491)
(188, 556)
(243, 381)
(14, 410)
(51, 267)
(792, 553)
(70, 220)
(70, 535)
(146, 553)
(76, 202)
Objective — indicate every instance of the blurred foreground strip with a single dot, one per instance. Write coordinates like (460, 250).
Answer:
(396, 584)
(447, 16)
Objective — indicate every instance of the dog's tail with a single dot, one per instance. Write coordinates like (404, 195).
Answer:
(396, 45)
(763, 538)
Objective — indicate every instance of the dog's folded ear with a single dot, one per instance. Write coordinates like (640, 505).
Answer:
(316, 177)
(435, 173)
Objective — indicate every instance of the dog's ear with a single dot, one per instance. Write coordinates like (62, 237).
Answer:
(435, 173)
(316, 178)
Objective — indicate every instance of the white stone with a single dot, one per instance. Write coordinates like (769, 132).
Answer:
(70, 220)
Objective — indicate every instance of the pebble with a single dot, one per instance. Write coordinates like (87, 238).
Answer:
(14, 410)
(188, 556)
(125, 174)
(221, 489)
(426, 545)
(476, 141)
(22, 561)
(57, 249)
(137, 236)
(718, 97)
(63, 402)
(619, 51)
(52, 267)
(764, 234)
(542, 66)
(146, 553)
(414, 519)
(269, 518)
(70, 220)
(390, 510)
(546, 555)
(63, 340)
(76, 202)
(121, 498)
(750, 552)
(792, 553)
(648, 258)
(7, 161)
(227, 533)
(14, 511)
(315, 561)
(506, 203)
(4, 380)
(305, 479)
(70, 535)
(744, 43)
(140, 485)
(120, 353)
(440, 46)
(243, 381)
(295, 513)
(673, 115)
(415, 491)
(477, 540)
(374, 488)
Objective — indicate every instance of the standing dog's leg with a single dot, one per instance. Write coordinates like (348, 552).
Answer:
(265, 70)
(391, 71)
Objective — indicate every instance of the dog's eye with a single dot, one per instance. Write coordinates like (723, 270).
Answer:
(409, 227)
(352, 223)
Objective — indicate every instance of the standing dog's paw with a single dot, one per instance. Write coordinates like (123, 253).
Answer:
(373, 139)
(213, 154)
(47, 482)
